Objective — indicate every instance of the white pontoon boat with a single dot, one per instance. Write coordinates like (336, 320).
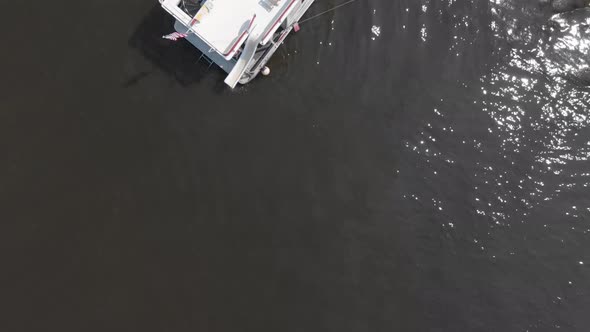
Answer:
(239, 36)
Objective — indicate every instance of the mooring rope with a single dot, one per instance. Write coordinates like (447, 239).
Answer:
(329, 10)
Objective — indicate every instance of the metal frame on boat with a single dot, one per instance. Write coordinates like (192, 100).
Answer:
(239, 36)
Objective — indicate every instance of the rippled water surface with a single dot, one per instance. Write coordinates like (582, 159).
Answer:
(409, 165)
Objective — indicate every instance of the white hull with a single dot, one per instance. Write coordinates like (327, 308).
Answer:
(257, 48)
(256, 67)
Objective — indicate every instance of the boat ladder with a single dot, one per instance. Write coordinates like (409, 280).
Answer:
(206, 59)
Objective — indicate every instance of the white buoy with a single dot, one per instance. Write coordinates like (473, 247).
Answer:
(265, 71)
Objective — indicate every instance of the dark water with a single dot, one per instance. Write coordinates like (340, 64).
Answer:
(408, 166)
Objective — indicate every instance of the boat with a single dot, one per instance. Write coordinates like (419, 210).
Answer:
(239, 36)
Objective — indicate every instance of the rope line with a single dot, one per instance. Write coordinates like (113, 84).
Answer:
(329, 10)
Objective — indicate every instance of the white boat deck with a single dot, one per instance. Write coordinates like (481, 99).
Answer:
(227, 23)
(223, 28)
(220, 61)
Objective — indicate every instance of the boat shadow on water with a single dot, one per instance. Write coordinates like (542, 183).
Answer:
(179, 59)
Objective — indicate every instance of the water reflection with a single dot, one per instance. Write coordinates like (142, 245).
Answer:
(536, 109)
(539, 113)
